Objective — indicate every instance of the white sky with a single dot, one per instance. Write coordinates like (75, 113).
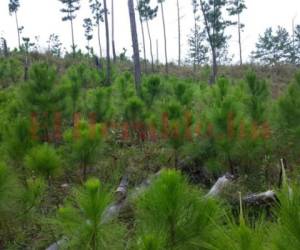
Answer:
(42, 17)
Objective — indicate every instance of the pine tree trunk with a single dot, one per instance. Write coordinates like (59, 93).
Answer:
(157, 53)
(151, 48)
(144, 48)
(73, 42)
(240, 39)
(18, 30)
(144, 44)
(165, 36)
(108, 69)
(214, 66)
(135, 45)
(113, 30)
(196, 43)
(99, 40)
(179, 33)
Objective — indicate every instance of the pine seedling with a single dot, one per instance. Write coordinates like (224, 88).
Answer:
(43, 160)
(82, 220)
(175, 215)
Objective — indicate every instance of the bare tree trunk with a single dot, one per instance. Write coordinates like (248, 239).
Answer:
(240, 39)
(73, 42)
(165, 36)
(179, 34)
(157, 53)
(143, 37)
(293, 41)
(151, 48)
(108, 69)
(113, 30)
(18, 29)
(5, 48)
(135, 45)
(196, 43)
(99, 40)
(214, 67)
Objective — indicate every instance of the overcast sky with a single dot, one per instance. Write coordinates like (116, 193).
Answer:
(42, 17)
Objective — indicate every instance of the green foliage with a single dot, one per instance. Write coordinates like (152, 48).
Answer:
(83, 75)
(18, 140)
(71, 6)
(7, 188)
(242, 236)
(100, 104)
(183, 93)
(83, 144)
(125, 87)
(81, 220)
(33, 194)
(13, 6)
(44, 160)
(146, 11)
(215, 25)
(258, 94)
(272, 48)
(8, 203)
(10, 71)
(287, 118)
(152, 89)
(286, 233)
(172, 215)
(97, 10)
(43, 97)
(54, 45)
(198, 51)
(134, 110)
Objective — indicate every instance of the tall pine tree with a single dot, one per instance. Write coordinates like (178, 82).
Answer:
(71, 6)
(235, 9)
(147, 14)
(13, 8)
(215, 26)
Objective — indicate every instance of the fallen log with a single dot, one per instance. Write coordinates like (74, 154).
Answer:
(114, 210)
(268, 197)
(220, 185)
(123, 199)
(121, 192)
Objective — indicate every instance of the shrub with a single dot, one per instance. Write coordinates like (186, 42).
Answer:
(83, 144)
(176, 128)
(242, 234)
(81, 221)
(135, 116)
(43, 97)
(287, 120)
(10, 71)
(18, 141)
(8, 205)
(8, 187)
(183, 93)
(101, 104)
(44, 160)
(172, 215)
(152, 89)
(257, 97)
(287, 231)
(83, 75)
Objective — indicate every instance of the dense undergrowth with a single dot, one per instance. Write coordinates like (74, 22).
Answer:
(66, 139)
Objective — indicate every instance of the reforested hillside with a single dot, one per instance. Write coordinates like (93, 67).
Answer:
(77, 158)
(195, 148)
